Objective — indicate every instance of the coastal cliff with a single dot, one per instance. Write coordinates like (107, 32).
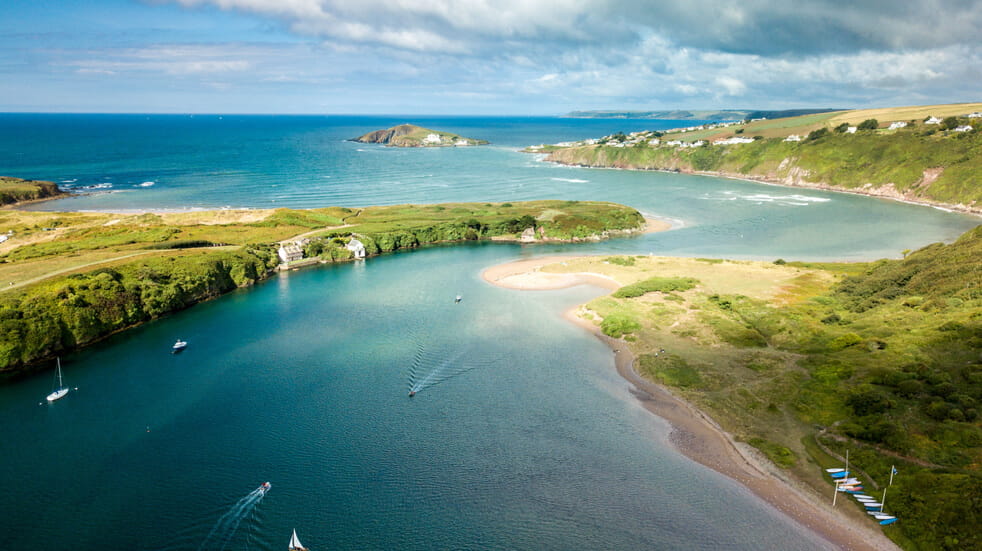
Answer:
(929, 161)
(410, 135)
(16, 190)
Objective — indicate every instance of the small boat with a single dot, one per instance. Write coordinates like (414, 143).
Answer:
(412, 393)
(834, 470)
(840, 474)
(295, 544)
(458, 299)
(60, 390)
(264, 487)
(179, 345)
(884, 522)
(872, 504)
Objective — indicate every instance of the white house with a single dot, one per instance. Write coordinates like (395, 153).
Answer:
(932, 120)
(851, 130)
(356, 247)
(432, 138)
(654, 141)
(734, 140)
(793, 138)
(290, 252)
(963, 128)
(975, 115)
(896, 125)
(461, 142)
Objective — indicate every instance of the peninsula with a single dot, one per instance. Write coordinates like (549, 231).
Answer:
(73, 278)
(16, 190)
(925, 154)
(410, 135)
(799, 363)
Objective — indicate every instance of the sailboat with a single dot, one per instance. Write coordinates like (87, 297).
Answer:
(295, 544)
(61, 390)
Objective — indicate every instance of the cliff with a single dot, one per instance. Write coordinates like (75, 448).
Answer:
(16, 190)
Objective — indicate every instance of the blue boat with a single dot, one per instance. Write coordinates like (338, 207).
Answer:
(884, 522)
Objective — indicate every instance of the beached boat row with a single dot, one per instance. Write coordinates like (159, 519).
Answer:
(854, 488)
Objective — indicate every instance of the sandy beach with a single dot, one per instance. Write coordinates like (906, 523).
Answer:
(694, 433)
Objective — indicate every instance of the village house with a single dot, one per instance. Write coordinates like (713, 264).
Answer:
(528, 235)
(289, 252)
(793, 138)
(432, 138)
(896, 125)
(974, 115)
(733, 141)
(356, 247)
(932, 120)
(963, 128)
(852, 129)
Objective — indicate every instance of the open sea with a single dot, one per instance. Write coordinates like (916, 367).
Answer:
(522, 436)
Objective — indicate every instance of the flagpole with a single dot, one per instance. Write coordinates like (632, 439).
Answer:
(892, 471)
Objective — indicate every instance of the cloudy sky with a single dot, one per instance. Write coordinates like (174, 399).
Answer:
(509, 57)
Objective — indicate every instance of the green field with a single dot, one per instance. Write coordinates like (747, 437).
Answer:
(881, 359)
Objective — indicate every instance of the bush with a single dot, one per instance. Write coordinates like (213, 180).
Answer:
(868, 124)
(618, 325)
(656, 284)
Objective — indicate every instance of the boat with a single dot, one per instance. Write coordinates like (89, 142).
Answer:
(840, 474)
(458, 299)
(835, 470)
(872, 504)
(295, 544)
(264, 487)
(412, 393)
(884, 522)
(61, 390)
(179, 345)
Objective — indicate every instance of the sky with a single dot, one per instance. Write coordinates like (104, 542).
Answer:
(483, 57)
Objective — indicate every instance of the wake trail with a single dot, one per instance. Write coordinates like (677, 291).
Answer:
(226, 526)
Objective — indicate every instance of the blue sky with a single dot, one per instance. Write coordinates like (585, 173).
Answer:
(509, 57)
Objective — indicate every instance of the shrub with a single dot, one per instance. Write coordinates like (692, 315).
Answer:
(656, 284)
(868, 124)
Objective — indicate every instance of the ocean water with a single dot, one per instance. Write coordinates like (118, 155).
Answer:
(522, 436)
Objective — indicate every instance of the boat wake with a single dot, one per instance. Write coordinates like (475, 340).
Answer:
(432, 368)
(228, 524)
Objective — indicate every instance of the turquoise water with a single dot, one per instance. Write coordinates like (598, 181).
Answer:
(527, 440)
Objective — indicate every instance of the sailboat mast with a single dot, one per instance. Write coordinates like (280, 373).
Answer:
(60, 384)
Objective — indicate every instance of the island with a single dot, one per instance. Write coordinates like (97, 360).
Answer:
(410, 135)
(924, 154)
(70, 279)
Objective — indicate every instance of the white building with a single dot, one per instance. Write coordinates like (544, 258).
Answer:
(734, 140)
(654, 141)
(932, 120)
(432, 138)
(356, 247)
(851, 130)
(289, 252)
(461, 142)
(793, 138)
(974, 115)
(896, 125)
(963, 128)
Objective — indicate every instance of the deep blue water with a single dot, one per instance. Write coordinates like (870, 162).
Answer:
(529, 440)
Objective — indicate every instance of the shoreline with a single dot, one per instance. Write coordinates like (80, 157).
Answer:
(800, 184)
(693, 432)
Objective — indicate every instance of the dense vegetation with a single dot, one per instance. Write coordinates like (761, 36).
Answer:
(15, 190)
(132, 269)
(887, 363)
(921, 162)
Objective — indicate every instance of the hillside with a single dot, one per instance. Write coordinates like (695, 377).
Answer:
(807, 361)
(704, 114)
(936, 163)
(410, 135)
(75, 278)
(16, 190)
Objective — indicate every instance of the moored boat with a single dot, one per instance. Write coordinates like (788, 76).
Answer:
(60, 390)
(295, 544)
(179, 345)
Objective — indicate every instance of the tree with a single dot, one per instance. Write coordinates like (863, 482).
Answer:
(869, 124)
(841, 129)
(816, 134)
(949, 123)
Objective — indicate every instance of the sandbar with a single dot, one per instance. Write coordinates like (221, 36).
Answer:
(693, 432)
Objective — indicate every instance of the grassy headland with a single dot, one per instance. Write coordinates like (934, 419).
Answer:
(16, 190)
(806, 361)
(847, 151)
(70, 279)
(410, 135)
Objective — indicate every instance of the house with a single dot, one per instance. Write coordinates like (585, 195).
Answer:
(734, 140)
(654, 141)
(432, 138)
(851, 130)
(528, 235)
(356, 247)
(793, 138)
(289, 252)
(896, 125)
(974, 115)
(461, 142)
(932, 120)
(963, 128)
